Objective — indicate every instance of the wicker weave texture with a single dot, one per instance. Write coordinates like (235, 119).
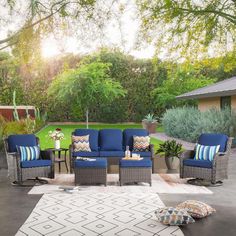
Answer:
(135, 174)
(90, 176)
(219, 170)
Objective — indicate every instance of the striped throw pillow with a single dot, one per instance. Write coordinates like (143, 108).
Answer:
(29, 153)
(206, 153)
(81, 143)
(141, 143)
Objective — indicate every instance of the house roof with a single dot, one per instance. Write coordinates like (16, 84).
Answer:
(223, 88)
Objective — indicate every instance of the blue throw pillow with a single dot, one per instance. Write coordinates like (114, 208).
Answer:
(205, 153)
(29, 153)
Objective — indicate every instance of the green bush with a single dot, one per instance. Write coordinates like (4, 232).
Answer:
(188, 123)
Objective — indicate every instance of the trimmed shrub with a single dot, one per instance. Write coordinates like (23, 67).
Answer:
(188, 123)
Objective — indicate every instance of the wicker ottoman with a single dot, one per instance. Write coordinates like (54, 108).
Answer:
(135, 171)
(91, 172)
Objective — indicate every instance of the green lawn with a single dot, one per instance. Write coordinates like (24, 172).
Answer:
(45, 142)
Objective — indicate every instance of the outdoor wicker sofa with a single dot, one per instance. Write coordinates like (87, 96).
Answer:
(19, 171)
(213, 171)
(110, 144)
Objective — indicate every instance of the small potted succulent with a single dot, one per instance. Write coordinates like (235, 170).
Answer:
(172, 151)
(150, 123)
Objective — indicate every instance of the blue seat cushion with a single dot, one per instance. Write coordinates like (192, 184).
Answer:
(142, 163)
(36, 163)
(28, 140)
(112, 154)
(93, 137)
(128, 135)
(85, 154)
(99, 163)
(144, 154)
(214, 140)
(111, 140)
(198, 163)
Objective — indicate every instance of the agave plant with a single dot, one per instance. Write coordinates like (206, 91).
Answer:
(150, 118)
(171, 148)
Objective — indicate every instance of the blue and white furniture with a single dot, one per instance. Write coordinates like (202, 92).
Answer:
(110, 144)
(25, 159)
(209, 160)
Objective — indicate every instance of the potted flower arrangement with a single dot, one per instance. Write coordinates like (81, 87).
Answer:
(57, 136)
(150, 123)
(171, 150)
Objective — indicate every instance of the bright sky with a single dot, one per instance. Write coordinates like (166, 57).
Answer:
(121, 34)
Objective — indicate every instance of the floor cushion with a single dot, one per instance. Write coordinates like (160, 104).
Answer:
(196, 209)
(173, 216)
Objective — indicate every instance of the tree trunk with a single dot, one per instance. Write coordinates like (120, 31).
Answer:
(87, 118)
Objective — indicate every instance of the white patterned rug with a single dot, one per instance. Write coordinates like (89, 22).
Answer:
(92, 213)
(161, 183)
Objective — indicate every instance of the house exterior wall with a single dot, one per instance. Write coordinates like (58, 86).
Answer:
(233, 102)
(208, 103)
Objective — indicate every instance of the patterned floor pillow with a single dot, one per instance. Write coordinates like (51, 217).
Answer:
(173, 216)
(196, 209)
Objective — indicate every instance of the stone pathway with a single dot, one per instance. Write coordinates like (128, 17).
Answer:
(164, 137)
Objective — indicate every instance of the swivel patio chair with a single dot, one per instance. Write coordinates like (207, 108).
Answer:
(20, 170)
(205, 171)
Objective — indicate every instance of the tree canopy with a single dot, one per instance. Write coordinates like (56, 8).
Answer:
(188, 26)
(87, 86)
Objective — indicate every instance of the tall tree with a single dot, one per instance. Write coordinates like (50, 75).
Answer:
(87, 86)
(189, 26)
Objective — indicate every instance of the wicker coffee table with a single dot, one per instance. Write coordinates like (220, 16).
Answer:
(91, 171)
(132, 171)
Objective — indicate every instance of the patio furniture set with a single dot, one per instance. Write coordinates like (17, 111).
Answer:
(209, 160)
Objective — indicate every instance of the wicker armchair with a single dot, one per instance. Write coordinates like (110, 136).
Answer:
(17, 173)
(219, 166)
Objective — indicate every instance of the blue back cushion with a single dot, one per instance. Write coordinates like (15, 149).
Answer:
(21, 140)
(129, 133)
(214, 140)
(93, 137)
(110, 140)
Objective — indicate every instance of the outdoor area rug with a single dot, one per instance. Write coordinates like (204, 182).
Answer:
(161, 183)
(91, 213)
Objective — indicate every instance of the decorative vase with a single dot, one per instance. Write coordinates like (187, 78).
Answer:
(57, 144)
(172, 163)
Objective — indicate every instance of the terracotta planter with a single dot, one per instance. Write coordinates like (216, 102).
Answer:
(172, 163)
(150, 127)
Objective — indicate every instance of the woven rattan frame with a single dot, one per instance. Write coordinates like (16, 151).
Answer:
(18, 174)
(90, 176)
(135, 174)
(218, 172)
(110, 160)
